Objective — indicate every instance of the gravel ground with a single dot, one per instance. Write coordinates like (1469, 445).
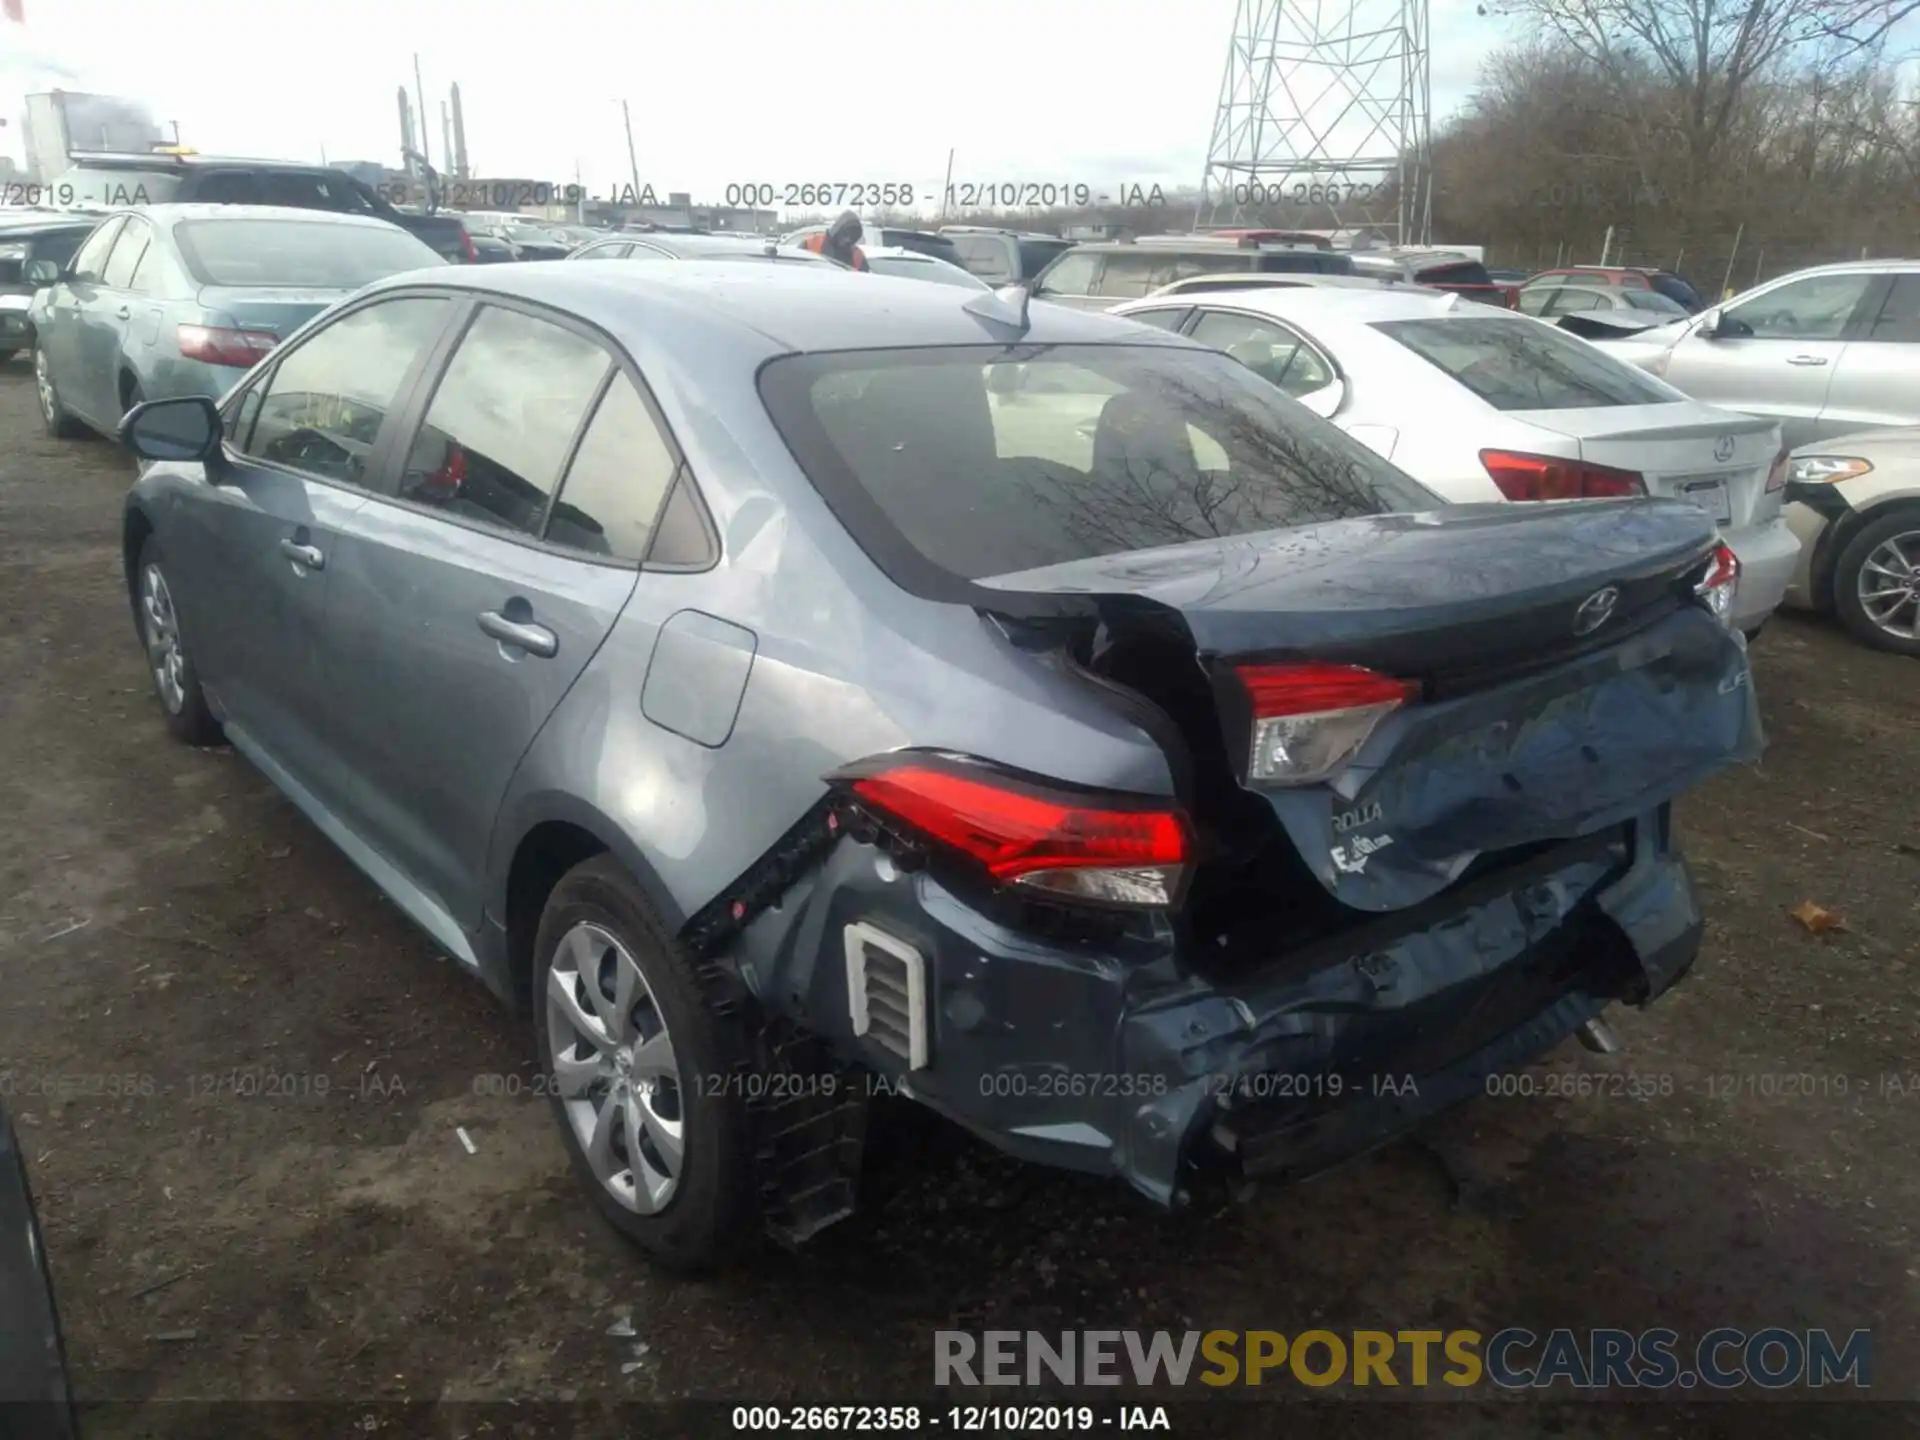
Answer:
(166, 917)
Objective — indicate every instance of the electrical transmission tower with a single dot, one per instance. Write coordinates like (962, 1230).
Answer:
(1324, 113)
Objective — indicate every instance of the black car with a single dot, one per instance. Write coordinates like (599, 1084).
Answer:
(35, 1401)
(1004, 257)
(117, 181)
(492, 250)
(43, 235)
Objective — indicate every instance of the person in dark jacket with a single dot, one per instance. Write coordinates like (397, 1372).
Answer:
(840, 241)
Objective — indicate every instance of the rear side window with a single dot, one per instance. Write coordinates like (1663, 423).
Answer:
(1036, 255)
(1305, 262)
(616, 482)
(1654, 301)
(127, 253)
(1515, 365)
(953, 461)
(92, 258)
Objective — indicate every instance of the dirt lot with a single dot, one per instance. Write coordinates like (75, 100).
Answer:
(166, 917)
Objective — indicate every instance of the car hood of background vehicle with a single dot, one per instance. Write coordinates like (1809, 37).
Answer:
(277, 311)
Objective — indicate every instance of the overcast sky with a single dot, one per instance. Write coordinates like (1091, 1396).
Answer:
(779, 91)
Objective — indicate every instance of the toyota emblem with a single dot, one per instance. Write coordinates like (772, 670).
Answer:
(1595, 610)
(1723, 448)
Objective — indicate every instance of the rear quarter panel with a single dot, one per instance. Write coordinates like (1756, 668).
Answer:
(845, 665)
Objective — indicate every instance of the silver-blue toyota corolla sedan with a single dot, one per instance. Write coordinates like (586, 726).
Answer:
(788, 684)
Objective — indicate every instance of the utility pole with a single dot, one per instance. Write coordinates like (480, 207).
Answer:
(947, 188)
(420, 101)
(633, 165)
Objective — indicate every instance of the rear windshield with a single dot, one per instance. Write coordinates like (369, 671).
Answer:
(1514, 363)
(297, 254)
(1463, 272)
(981, 465)
(1678, 291)
(1305, 262)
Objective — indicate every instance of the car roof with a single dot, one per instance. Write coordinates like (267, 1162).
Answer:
(692, 247)
(1283, 280)
(772, 309)
(177, 214)
(39, 221)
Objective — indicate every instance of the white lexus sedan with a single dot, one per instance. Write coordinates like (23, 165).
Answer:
(1481, 404)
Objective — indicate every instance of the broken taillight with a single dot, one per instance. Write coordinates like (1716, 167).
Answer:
(1310, 718)
(1717, 587)
(1549, 477)
(1077, 847)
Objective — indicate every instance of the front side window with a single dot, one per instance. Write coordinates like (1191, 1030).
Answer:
(1816, 308)
(1071, 275)
(603, 252)
(618, 477)
(92, 259)
(984, 467)
(326, 401)
(1273, 352)
(1515, 366)
(297, 254)
(502, 420)
(1534, 301)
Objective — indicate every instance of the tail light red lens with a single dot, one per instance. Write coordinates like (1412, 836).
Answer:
(1548, 477)
(466, 242)
(1720, 583)
(1085, 848)
(241, 348)
(1309, 719)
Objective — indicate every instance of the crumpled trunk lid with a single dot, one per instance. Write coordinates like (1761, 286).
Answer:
(1527, 731)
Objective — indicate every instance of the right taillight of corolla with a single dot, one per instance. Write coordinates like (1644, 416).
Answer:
(1311, 718)
(1720, 581)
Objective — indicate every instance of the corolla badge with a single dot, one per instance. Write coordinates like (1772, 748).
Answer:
(1595, 610)
(1723, 448)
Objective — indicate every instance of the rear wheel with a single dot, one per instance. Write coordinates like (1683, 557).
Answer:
(175, 682)
(640, 1064)
(1876, 583)
(53, 415)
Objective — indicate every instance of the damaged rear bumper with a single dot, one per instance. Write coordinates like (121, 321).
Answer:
(1123, 1059)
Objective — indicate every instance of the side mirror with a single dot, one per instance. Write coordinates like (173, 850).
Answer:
(186, 429)
(41, 272)
(1710, 325)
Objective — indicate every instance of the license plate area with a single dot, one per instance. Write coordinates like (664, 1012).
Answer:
(1710, 495)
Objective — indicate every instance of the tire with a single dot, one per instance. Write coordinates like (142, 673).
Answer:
(1898, 531)
(175, 683)
(53, 415)
(709, 1218)
(6, 355)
